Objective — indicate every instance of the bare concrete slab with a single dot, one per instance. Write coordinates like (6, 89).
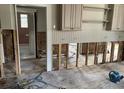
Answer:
(87, 77)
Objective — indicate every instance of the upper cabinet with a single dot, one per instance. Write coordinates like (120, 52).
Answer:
(116, 18)
(71, 17)
(7, 16)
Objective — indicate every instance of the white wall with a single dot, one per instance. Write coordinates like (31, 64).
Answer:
(7, 16)
(41, 19)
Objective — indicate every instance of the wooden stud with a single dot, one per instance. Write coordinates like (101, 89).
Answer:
(1, 63)
(59, 55)
(104, 53)
(119, 53)
(2, 70)
(96, 54)
(77, 56)
(16, 44)
(112, 51)
(66, 62)
(87, 52)
(122, 50)
(17, 58)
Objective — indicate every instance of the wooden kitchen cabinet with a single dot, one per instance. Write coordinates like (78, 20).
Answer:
(71, 16)
(116, 18)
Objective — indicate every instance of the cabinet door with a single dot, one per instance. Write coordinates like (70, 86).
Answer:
(66, 17)
(121, 18)
(115, 18)
(77, 14)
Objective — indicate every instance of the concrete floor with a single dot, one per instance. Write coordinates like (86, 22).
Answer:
(86, 77)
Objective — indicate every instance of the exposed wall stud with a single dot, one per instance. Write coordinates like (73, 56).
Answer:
(2, 70)
(104, 53)
(59, 55)
(96, 54)
(120, 50)
(112, 51)
(16, 45)
(77, 56)
(66, 62)
(87, 52)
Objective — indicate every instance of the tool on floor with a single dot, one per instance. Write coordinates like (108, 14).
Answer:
(115, 77)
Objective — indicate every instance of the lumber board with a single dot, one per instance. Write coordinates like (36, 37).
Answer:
(96, 53)
(77, 55)
(86, 56)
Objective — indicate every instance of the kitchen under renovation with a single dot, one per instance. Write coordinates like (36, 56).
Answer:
(61, 46)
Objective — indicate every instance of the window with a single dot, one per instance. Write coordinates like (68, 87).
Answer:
(24, 20)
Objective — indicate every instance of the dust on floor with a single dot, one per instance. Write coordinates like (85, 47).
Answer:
(86, 77)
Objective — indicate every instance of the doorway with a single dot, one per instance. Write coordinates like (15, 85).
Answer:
(26, 29)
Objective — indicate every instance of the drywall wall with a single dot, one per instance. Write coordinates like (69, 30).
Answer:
(63, 37)
(41, 19)
(7, 16)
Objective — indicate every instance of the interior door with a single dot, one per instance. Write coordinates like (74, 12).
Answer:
(23, 28)
(26, 29)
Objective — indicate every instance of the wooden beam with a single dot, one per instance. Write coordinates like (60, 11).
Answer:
(2, 59)
(59, 55)
(2, 70)
(16, 44)
(77, 55)
(119, 52)
(112, 51)
(96, 54)
(17, 58)
(66, 62)
(122, 55)
(87, 52)
(104, 53)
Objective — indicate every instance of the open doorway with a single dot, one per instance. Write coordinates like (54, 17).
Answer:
(32, 38)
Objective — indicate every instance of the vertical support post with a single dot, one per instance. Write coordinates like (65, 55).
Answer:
(112, 51)
(2, 69)
(119, 57)
(96, 54)
(66, 63)
(17, 56)
(119, 52)
(2, 59)
(77, 56)
(87, 52)
(59, 58)
(16, 44)
(104, 53)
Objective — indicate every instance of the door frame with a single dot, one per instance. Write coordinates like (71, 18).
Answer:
(48, 36)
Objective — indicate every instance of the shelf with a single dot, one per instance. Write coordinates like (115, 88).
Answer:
(95, 21)
(96, 8)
